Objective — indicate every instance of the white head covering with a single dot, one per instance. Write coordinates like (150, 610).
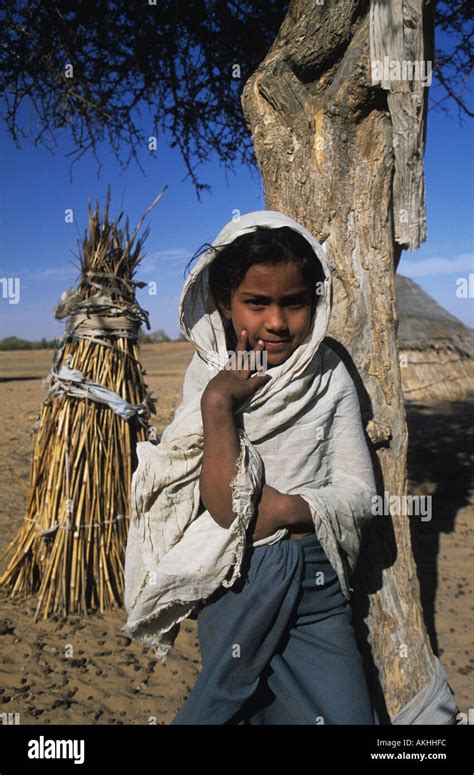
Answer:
(201, 322)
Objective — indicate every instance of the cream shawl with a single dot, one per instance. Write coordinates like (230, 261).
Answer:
(301, 432)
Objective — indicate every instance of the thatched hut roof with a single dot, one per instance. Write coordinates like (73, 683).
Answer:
(436, 349)
(424, 323)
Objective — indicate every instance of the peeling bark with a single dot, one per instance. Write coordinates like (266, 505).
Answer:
(334, 154)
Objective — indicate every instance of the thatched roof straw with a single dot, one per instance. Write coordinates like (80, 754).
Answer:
(424, 323)
(436, 349)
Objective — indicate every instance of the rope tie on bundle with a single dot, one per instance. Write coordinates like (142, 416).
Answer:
(49, 533)
(83, 387)
(91, 318)
(99, 315)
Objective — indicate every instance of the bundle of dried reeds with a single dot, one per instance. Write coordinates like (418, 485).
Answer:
(71, 545)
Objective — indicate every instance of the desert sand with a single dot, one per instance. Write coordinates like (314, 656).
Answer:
(112, 680)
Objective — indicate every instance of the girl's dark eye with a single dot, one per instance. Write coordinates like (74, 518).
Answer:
(254, 303)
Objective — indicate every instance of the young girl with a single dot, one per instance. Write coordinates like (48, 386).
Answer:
(249, 511)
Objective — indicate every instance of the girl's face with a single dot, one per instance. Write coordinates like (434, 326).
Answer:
(272, 303)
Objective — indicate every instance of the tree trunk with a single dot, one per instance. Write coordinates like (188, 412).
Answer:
(343, 156)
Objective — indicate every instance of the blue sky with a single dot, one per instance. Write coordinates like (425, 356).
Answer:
(38, 246)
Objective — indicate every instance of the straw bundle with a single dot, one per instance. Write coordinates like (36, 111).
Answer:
(72, 542)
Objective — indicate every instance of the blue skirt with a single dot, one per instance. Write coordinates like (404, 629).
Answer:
(278, 647)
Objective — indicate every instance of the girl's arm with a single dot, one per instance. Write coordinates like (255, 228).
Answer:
(220, 453)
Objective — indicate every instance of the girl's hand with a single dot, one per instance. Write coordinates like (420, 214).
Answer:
(235, 384)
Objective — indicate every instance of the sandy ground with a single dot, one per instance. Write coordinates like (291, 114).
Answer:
(111, 680)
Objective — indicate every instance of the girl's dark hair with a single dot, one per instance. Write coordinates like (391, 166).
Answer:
(262, 245)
